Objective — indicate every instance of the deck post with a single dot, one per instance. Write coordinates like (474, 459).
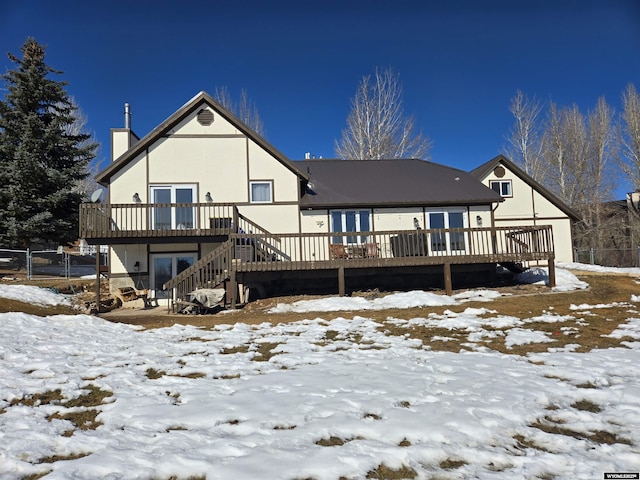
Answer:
(448, 288)
(341, 290)
(233, 288)
(552, 271)
(97, 278)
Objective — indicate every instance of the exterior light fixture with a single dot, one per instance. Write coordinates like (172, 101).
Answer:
(208, 198)
(136, 198)
(478, 220)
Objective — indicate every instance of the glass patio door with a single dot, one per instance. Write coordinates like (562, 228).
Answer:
(169, 217)
(447, 242)
(165, 266)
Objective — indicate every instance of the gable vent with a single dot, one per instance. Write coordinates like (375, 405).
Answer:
(205, 117)
(499, 171)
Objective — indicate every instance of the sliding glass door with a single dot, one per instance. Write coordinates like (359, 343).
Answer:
(447, 242)
(165, 266)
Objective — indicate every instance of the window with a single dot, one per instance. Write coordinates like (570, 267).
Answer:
(174, 211)
(502, 187)
(261, 192)
(350, 221)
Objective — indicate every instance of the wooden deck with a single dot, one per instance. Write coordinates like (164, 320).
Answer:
(258, 253)
(246, 248)
(120, 223)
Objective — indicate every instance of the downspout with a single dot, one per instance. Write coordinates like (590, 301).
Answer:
(494, 240)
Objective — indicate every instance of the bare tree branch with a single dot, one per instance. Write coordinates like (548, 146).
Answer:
(524, 145)
(377, 127)
(629, 136)
(244, 109)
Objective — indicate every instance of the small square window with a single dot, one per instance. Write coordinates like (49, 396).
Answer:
(502, 187)
(261, 192)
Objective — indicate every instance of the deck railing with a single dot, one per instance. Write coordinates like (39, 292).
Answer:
(135, 220)
(398, 247)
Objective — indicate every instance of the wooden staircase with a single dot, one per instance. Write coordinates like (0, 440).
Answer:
(210, 271)
(217, 268)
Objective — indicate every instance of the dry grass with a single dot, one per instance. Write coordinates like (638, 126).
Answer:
(153, 374)
(523, 443)
(554, 426)
(82, 289)
(264, 351)
(60, 458)
(35, 476)
(452, 464)
(523, 302)
(586, 406)
(385, 473)
(189, 375)
(9, 305)
(83, 417)
(587, 328)
(332, 442)
(50, 397)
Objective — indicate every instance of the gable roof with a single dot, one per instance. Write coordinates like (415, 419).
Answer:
(401, 182)
(196, 103)
(486, 168)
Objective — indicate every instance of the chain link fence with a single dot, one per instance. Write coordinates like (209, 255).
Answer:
(609, 257)
(60, 263)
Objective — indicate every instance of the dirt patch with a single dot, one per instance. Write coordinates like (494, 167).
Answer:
(587, 328)
(81, 292)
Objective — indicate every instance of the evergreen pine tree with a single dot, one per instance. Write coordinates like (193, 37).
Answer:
(42, 159)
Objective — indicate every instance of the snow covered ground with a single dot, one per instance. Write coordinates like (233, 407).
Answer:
(336, 397)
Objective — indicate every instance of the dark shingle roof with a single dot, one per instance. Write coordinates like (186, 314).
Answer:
(390, 183)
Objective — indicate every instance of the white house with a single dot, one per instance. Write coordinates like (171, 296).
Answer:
(202, 200)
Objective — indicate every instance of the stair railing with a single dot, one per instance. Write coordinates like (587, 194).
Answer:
(208, 272)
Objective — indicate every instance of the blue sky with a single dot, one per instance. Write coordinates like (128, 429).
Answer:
(460, 61)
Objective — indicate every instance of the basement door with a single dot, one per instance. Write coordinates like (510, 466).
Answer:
(165, 266)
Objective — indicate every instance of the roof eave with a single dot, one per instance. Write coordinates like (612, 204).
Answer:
(446, 203)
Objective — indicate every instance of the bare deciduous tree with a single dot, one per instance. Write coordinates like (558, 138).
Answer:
(87, 185)
(244, 109)
(377, 127)
(570, 153)
(629, 136)
(597, 173)
(524, 137)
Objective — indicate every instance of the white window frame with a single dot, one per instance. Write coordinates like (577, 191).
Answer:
(448, 241)
(501, 184)
(175, 225)
(253, 183)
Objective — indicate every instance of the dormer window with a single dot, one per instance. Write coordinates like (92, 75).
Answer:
(502, 187)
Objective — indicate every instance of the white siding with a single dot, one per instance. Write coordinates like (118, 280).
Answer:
(528, 206)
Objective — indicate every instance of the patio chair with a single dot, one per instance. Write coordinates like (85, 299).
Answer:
(337, 251)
